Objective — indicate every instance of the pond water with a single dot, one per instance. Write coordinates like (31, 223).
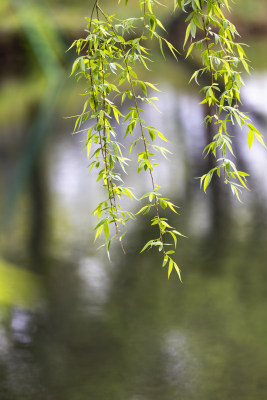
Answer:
(80, 327)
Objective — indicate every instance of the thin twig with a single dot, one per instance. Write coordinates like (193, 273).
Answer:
(141, 128)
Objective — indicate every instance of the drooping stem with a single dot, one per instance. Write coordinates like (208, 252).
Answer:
(103, 138)
(204, 24)
(156, 201)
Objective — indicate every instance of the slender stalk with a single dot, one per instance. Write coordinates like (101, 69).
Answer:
(212, 83)
(141, 128)
(110, 186)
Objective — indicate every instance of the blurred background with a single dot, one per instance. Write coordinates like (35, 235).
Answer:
(74, 326)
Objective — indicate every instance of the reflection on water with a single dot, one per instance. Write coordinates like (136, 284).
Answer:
(96, 283)
(121, 330)
(134, 335)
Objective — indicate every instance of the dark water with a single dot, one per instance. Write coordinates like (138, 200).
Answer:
(78, 327)
(123, 331)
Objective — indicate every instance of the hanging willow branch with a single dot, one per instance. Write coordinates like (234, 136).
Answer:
(107, 61)
(223, 59)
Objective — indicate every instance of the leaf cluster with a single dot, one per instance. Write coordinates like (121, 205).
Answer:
(223, 58)
(106, 59)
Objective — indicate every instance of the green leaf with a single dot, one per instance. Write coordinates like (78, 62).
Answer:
(174, 238)
(172, 49)
(187, 32)
(250, 138)
(116, 114)
(143, 87)
(198, 4)
(170, 267)
(190, 49)
(106, 231)
(178, 271)
(101, 223)
(171, 206)
(161, 47)
(165, 260)
(257, 134)
(180, 4)
(142, 210)
(193, 29)
(260, 139)
(152, 86)
(99, 230)
(163, 204)
(149, 6)
(179, 233)
(147, 245)
(89, 143)
(207, 181)
(161, 136)
(160, 24)
(151, 197)
(245, 65)
(152, 134)
(74, 66)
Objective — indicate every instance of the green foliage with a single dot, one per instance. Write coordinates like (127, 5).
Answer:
(107, 59)
(223, 59)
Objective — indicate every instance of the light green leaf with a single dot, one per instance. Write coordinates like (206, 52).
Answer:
(170, 267)
(106, 231)
(250, 138)
(178, 271)
(99, 230)
(207, 181)
(165, 260)
(161, 136)
(89, 143)
(152, 86)
(143, 87)
(187, 32)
